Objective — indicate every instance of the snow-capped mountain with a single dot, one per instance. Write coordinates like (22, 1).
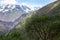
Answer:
(11, 14)
(10, 7)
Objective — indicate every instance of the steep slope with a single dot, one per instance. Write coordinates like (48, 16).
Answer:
(46, 15)
(42, 20)
(50, 7)
(50, 10)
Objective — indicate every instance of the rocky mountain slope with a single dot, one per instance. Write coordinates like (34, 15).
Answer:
(12, 13)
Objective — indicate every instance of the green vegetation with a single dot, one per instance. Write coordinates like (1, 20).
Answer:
(44, 28)
(41, 27)
(13, 35)
(43, 24)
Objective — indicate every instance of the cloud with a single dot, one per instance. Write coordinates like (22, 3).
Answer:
(15, 2)
(8, 2)
(32, 6)
(5, 2)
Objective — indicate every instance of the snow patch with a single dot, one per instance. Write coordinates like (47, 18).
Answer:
(5, 10)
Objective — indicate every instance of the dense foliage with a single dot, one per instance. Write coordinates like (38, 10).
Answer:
(13, 35)
(44, 28)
